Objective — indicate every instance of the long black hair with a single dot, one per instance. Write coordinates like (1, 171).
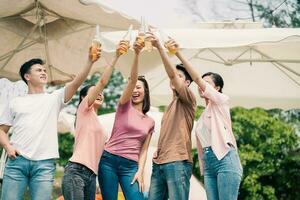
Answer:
(146, 101)
(217, 79)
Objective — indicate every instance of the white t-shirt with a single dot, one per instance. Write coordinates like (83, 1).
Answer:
(34, 121)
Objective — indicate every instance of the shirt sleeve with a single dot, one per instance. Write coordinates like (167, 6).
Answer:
(186, 95)
(6, 115)
(124, 107)
(60, 95)
(215, 96)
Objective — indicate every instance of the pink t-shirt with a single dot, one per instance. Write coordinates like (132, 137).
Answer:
(130, 130)
(90, 137)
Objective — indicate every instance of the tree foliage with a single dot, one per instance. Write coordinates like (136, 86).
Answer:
(269, 151)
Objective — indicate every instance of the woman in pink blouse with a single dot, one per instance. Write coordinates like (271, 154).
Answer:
(217, 149)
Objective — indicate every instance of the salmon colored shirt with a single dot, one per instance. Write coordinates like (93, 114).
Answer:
(216, 117)
(90, 137)
(131, 128)
(174, 143)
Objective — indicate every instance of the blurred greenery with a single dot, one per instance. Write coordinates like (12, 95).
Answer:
(269, 151)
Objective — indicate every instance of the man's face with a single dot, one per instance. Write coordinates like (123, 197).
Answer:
(181, 76)
(37, 75)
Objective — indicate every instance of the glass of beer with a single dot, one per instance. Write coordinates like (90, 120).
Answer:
(125, 43)
(96, 43)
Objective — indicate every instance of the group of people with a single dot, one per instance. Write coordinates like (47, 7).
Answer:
(121, 158)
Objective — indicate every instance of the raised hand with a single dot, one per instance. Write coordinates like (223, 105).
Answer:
(122, 48)
(94, 54)
(138, 44)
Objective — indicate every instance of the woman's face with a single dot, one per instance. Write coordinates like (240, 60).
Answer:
(138, 94)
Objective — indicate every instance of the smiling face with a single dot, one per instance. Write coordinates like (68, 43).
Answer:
(138, 94)
(37, 75)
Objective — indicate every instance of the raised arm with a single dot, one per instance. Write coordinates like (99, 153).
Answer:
(92, 96)
(72, 87)
(127, 93)
(139, 175)
(4, 142)
(169, 67)
(187, 65)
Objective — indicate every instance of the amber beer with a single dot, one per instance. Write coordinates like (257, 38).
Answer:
(124, 46)
(96, 43)
(125, 43)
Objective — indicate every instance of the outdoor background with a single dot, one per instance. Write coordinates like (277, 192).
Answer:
(268, 140)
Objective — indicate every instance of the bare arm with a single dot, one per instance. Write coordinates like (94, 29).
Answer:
(133, 74)
(4, 142)
(92, 96)
(72, 87)
(169, 67)
(187, 65)
(194, 74)
(139, 176)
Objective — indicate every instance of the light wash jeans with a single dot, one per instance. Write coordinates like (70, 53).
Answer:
(222, 178)
(170, 180)
(115, 169)
(21, 173)
(78, 183)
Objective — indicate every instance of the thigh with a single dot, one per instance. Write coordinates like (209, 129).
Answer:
(90, 188)
(41, 180)
(72, 184)
(107, 177)
(178, 176)
(126, 172)
(158, 185)
(16, 177)
(229, 176)
(211, 186)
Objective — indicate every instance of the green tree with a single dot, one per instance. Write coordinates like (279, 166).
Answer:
(269, 151)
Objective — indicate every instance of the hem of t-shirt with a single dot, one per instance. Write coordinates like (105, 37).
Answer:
(39, 159)
(158, 161)
(121, 155)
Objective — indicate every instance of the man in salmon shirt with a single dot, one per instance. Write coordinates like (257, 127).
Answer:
(172, 166)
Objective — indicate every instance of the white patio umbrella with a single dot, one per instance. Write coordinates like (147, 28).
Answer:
(58, 31)
(260, 67)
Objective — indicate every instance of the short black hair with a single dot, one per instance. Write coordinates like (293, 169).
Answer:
(217, 79)
(185, 72)
(25, 68)
(146, 101)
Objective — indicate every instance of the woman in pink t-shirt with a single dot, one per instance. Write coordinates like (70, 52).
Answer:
(125, 153)
(217, 149)
(79, 180)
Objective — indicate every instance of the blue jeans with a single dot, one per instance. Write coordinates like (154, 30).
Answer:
(170, 180)
(79, 182)
(222, 178)
(21, 172)
(115, 169)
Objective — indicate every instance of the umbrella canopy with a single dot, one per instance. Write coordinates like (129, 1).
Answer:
(260, 67)
(58, 31)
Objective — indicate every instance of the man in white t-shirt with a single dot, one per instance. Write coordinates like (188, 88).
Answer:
(33, 145)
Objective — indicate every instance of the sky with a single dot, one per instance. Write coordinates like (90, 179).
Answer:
(174, 13)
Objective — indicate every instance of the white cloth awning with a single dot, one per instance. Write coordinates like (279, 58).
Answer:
(260, 67)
